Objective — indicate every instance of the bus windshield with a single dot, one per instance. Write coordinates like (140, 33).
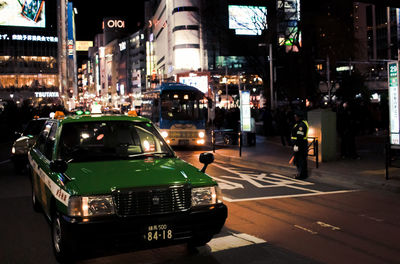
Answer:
(182, 105)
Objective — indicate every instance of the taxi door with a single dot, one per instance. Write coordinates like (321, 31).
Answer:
(40, 158)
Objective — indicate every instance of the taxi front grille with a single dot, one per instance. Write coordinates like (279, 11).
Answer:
(135, 202)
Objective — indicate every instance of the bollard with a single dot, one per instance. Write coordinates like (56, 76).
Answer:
(240, 144)
(316, 153)
(213, 140)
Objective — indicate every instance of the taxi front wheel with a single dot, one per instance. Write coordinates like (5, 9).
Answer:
(35, 203)
(62, 244)
(198, 242)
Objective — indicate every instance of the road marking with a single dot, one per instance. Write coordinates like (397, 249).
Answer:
(284, 196)
(372, 218)
(306, 229)
(233, 241)
(328, 226)
(256, 178)
(4, 161)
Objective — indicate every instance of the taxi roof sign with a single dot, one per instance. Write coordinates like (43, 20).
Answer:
(59, 115)
(132, 113)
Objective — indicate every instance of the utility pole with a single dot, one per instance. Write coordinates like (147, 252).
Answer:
(239, 89)
(271, 77)
(328, 77)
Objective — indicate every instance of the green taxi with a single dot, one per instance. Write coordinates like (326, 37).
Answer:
(25, 140)
(112, 181)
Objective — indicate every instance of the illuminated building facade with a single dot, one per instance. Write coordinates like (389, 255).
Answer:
(202, 43)
(116, 67)
(28, 49)
(175, 44)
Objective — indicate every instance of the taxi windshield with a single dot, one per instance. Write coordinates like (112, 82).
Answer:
(111, 140)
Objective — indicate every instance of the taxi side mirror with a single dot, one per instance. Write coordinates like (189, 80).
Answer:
(59, 166)
(206, 159)
(18, 134)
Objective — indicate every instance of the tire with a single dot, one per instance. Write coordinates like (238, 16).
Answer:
(18, 167)
(35, 203)
(63, 246)
(198, 242)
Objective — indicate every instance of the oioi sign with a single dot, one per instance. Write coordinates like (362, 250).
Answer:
(393, 83)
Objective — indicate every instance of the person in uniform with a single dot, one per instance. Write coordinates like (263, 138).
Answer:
(300, 145)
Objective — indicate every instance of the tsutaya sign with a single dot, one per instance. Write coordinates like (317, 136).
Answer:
(393, 79)
(46, 94)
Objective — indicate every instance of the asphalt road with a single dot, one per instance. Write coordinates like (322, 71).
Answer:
(272, 219)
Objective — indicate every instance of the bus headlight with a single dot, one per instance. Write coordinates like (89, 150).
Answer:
(206, 196)
(201, 134)
(90, 205)
(164, 134)
(200, 141)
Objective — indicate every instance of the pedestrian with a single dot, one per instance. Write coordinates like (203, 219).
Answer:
(347, 128)
(300, 145)
(283, 127)
(252, 134)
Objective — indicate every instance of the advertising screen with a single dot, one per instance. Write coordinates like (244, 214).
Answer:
(22, 13)
(247, 20)
(393, 83)
(245, 112)
(200, 82)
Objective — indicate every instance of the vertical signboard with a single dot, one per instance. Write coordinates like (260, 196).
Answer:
(393, 79)
(245, 113)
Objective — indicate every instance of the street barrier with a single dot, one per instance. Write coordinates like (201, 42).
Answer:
(313, 146)
(226, 137)
(392, 154)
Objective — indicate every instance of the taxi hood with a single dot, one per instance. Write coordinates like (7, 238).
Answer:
(103, 177)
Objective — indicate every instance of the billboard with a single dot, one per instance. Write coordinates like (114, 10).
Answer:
(393, 84)
(23, 13)
(200, 82)
(83, 45)
(245, 111)
(247, 20)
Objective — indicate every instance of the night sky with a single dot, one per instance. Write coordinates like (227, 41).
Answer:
(91, 13)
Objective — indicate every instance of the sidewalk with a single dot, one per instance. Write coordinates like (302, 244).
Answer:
(367, 172)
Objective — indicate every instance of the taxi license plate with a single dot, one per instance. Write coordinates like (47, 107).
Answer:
(158, 233)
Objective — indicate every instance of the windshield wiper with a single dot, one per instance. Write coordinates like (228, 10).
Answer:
(152, 154)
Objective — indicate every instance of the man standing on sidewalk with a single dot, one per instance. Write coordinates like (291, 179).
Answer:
(300, 145)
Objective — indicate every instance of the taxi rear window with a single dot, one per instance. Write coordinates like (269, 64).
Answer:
(34, 127)
(110, 140)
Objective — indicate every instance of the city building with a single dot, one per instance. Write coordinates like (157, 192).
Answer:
(28, 51)
(116, 67)
(136, 66)
(188, 40)
(377, 29)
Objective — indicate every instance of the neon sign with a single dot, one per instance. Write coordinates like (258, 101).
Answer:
(24, 37)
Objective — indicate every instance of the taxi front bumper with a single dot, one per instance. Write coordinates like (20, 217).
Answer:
(133, 232)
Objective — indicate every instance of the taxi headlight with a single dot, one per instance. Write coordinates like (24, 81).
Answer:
(206, 196)
(13, 150)
(201, 134)
(91, 205)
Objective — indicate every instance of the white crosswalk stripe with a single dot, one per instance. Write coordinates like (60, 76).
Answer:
(233, 241)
